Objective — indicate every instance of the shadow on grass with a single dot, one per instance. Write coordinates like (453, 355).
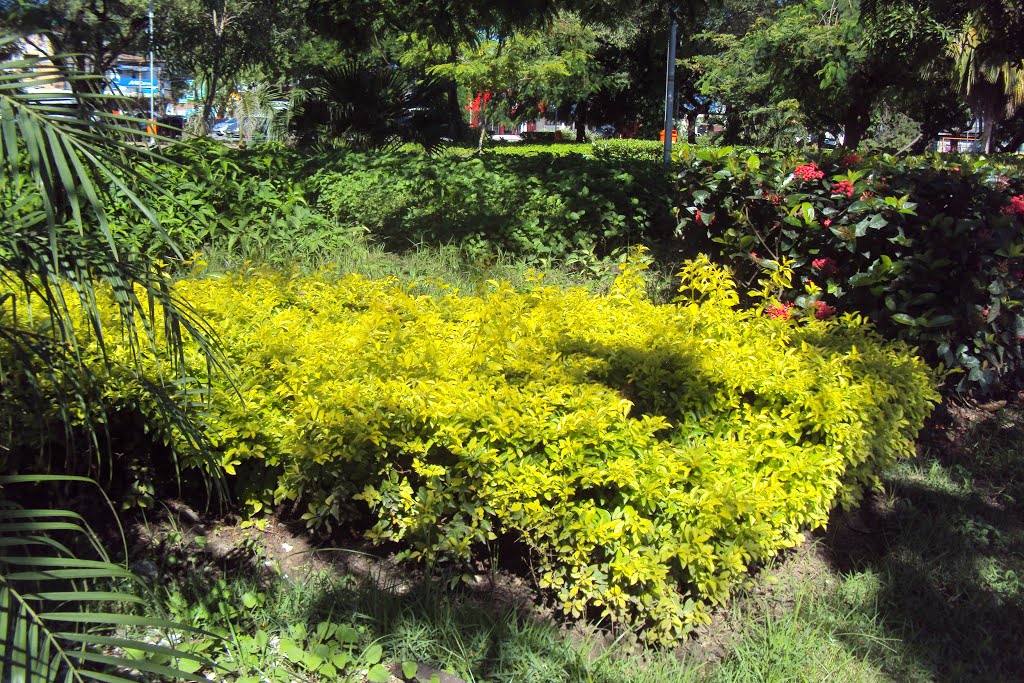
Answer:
(946, 544)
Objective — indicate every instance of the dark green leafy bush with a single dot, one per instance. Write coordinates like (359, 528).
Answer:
(930, 249)
(531, 203)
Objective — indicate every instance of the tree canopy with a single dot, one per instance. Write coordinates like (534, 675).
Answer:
(890, 73)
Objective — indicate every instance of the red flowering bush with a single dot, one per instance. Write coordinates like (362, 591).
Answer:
(924, 244)
(780, 310)
(826, 266)
(843, 187)
(808, 172)
(851, 160)
(1015, 207)
(822, 310)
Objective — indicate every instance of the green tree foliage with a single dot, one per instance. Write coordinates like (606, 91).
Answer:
(983, 39)
(517, 72)
(821, 66)
(87, 36)
(218, 40)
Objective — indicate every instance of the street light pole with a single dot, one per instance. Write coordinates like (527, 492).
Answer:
(152, 114)
(670, 86)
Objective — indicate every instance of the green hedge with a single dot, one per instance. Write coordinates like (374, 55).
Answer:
(273, 205)
(531, 204)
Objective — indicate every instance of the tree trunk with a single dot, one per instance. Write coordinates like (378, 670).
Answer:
(455, 119)
(691, 126)
(988, 129)
(582, 108)
(731, 135)
(856, 125)
(211, 87)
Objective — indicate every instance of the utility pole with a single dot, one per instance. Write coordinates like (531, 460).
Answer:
(670, 86)
(152, 113)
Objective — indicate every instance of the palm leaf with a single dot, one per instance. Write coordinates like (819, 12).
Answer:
(63, 616)
(63, 159)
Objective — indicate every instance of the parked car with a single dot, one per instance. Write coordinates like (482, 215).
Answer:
(170, 126)
(228, 128)
(605, 132)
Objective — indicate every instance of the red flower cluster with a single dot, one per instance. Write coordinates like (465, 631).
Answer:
(1015, 207)
(696, 216)
(808, 172)
(479, 102)
(773, 198)
(826, 266)
(827, 222)
(822, 310)
(780, 311)
(843, 187)
(851, 160)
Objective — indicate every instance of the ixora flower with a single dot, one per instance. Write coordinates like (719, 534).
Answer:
(808, 172)
(826, 266)
(780, 310)
(851, 160)
(822, 310)
(843, 187)
(1015, 207)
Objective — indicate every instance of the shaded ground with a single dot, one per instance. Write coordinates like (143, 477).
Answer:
(924, 583)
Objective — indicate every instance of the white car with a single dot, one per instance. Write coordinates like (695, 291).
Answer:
(228, 128)
(507, 137)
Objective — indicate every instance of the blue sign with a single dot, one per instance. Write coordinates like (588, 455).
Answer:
(137, 85)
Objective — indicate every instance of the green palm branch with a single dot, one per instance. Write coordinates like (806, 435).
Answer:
(63, 616)
(64, 604)
(63, 159)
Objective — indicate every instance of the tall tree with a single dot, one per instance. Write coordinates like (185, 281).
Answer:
(990, 77)
(83, 36)
(819, 61)
(984, 39)
(514, 74)
(217, 40)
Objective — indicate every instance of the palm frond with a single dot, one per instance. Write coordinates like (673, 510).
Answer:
(63, 159)
(62, 615)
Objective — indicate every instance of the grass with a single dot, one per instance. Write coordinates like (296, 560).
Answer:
(439, 270)
(923, 584)
(466, 638)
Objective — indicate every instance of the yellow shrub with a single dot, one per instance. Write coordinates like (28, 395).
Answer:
(648, 455)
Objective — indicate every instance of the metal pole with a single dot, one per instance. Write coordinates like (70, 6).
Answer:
(670, 86)
(152, 115)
